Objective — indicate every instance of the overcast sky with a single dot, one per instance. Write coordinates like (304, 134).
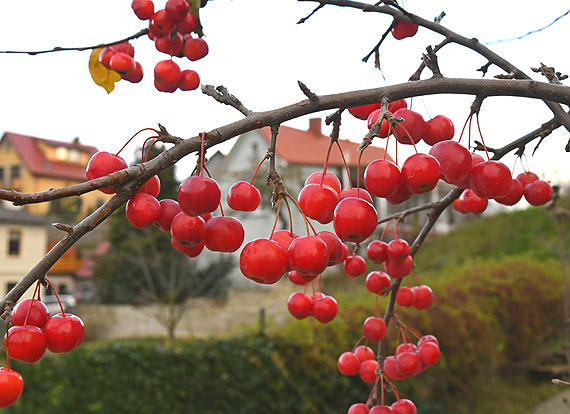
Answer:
(259, 52)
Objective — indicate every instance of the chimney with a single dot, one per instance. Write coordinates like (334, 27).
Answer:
(315, 126)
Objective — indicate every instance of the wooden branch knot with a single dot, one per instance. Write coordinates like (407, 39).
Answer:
(307, 92)
(430, 60)
(8, 308)
(279, 190)
(550, 73)
(63, 227)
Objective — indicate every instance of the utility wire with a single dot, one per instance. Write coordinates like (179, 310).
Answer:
(529, 33)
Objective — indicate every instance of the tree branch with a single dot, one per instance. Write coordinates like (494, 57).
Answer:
(140, 33)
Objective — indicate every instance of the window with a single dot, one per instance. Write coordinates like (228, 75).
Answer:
(74, 155)
(15, 171)
(14, 242)
(1, 175)
(61, 153)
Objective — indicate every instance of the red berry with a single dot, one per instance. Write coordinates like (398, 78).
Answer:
(397, 250)
(188, 230)
(106, 55)
(308, 255)
(404, 29)
(368, 370)
(11, 387)
(420, 173)
(243, 196)
(400, 195)
(364, 353)
(296, 278)
(374, 328)
(413, 123)
(224, 234)
(38, 314)
(399, 104)
(329, 179)
(409, 363)
(195, 48)
(358, 408)
(190, 251)
(167, 72)
(527, 177)
(348, 363)
(438, 129)
(142, 210)
(513, 196)
(122, 63)
(384, 130)
(189, 80)
(284, 239)
(423, 297)
(168, 209)
(391, 369)
(362, 111)
(404, 406)
(177, 9)
(318, 202)
(198, 195)
(104, 163)
(472, 203)
(405, 296)
(263, 261)
(398, 270)
(357, 193)
(381, 409)
(429, 353)
(325, 309)
(354, 266)
(538, 193)
(134, 76)
(188, 24)
(334, 246)
(144, 9)
(152, 186)
(377, 251)
(377, 281)
(454, 160)
(64, 332)
(354, 219)
(381, 178)
(171, 45)
(299, 305)
(490, 179)
(27, 343)
(161, 24)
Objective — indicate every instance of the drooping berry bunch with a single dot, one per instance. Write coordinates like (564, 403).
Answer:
(174, 31)
(32, 332)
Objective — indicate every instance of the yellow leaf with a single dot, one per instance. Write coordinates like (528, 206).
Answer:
(102, 76)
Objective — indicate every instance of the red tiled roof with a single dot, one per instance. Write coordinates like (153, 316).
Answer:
(310, 147)
(35, 161)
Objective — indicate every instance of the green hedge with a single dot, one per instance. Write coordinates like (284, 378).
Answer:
(487, 315)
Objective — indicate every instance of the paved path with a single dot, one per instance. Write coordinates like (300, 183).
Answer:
(559, 404)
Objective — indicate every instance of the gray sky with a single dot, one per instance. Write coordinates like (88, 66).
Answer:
(259, 52)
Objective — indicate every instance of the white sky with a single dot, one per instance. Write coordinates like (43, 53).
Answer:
(259, 52)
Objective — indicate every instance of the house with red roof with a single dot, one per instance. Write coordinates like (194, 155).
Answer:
(29, 165)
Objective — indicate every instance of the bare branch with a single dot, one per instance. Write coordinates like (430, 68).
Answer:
(308, 93)
(222, 95)
(140, 33)
(304, 19)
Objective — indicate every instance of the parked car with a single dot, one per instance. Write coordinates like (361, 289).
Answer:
(68, 302)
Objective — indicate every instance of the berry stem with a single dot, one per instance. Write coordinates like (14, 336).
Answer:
(56, 296)
(31, 303)
(327, 160)
(357, 343)
(258, 167)
(463, 130)
(276, 218)
(345, 165)
(131, 138)
(481, 135)
(202, 155)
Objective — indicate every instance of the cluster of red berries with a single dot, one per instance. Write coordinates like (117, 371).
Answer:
(171, 31)
(188, 219)
(400, 406)
(409, 360)
(447, 160)
(32, 332)
(394, 255)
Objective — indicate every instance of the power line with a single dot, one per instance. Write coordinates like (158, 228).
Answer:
(529, 33)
